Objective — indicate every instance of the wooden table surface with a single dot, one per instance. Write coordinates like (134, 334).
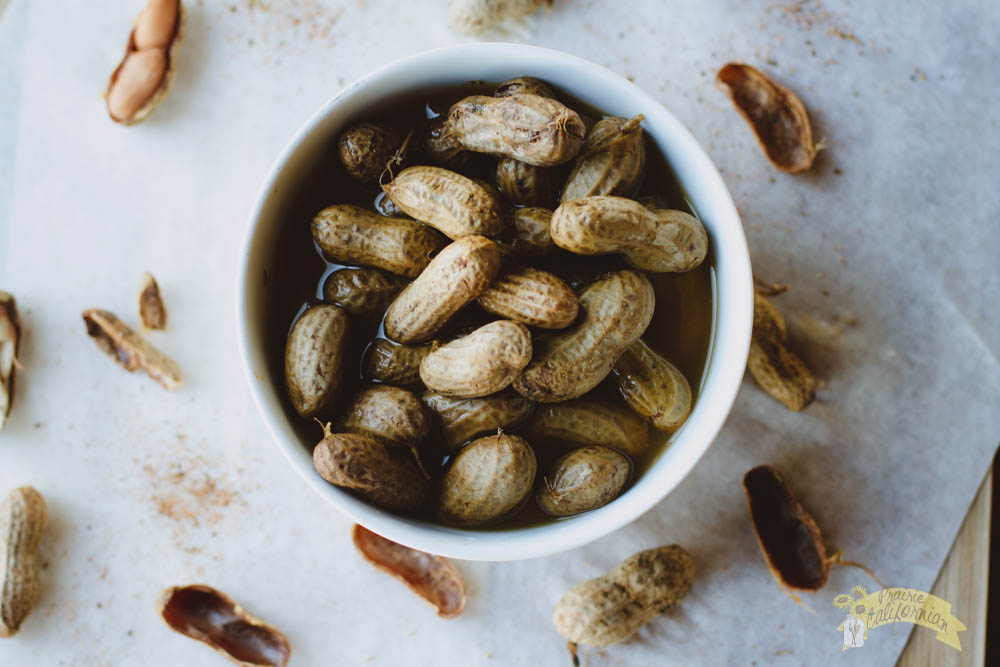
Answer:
(963, 581)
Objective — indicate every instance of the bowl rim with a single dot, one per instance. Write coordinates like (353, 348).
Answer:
(732, 287)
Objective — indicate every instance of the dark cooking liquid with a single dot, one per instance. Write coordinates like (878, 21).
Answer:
(682, 322)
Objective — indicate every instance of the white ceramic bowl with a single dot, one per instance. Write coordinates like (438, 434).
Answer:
(590, 83)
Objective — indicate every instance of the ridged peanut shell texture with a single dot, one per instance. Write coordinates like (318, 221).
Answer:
(611, 161)
(653, 387)
(524, 183)
(22, 520)
(532, 297)
(527, 233)
(479, 364)
(488, 478)
(351, 235)
(394, 415)
(393, 363)
(462, 419)
(583, 480)
(778, 370)
(366, 148)
(610, 609)
(655, 241)
(530, 128)
(314, 359)
(384, 476)
(362, 292)
(615, 311)
(457, 276)
(587, 421)
(454, 204)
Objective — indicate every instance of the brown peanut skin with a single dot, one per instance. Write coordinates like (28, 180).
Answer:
(366, 148)
(362, 292)
(615, 311)
(653, 387)
(655, 241)
(462, 419)
(391, 414)
(488, 478)
(611, 161)
(457, 276)
(455, 205)
(532, 297)
(394, 364)
(583, 480)
(314, 359)
(480, 363)
(363, 464)
(527, 233)
(778, 370)
(530, 128)
(352, 235)
(22, 520)
(587, 421)
(610, 609)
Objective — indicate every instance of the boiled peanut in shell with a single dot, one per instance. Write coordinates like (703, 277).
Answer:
(524, 85)
(588, 421)
(314, 359)
(655, 241)
(532, 297)
(488, 478)
(524, 183)
(391, 414)
(462, 419)
(480, 363)
(351, 235)
(527, 233)
(583, 480)
(393, 363)
(653, 387)
(569, 363)
(451, 203)
(611, 161)
(366, 148)
(530, 128)
(612, 608)
(458, 275)
(362, 292)
(386, 477)
(22, 520)
(778, 370)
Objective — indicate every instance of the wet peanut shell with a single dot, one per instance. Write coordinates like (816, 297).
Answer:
(615, 311)
(488, 478)
(778, 370)
(22, 520)
(362, 292)
(776, 115)
(654, 241)
(653, 387)
(587, 421)
(130, 350)
(524, 183)
(480, 363)
(366, 148)
(442, 147)
(455, 205)
(457, 276)
(352, 235)
(210, 616)
(152, 312)
(611, 161)
(527, 233)
(393, 363)
(532, 297)
(788, 537)
(524, 85)
(611, 608)
(530, 128)
(431, 577)
(389, 413)
(387, 477)
(583, 480)
(462, 419)
(314, 359)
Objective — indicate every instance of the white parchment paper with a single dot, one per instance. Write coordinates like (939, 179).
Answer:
(890, 244)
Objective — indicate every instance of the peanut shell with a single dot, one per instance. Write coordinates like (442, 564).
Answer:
(451, 203)
(366, 148)
(22, 520)
(611, 161)
(480, 363)
(462, 419)
(778, 370)
(393, 363)
(532, 297)
(583, 480)
(314, 359)
(362, 292)
(587, 421)
(653, 387)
